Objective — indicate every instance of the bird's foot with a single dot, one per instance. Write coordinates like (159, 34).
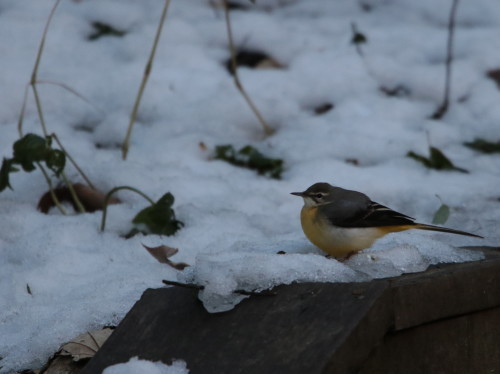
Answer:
(347, 257)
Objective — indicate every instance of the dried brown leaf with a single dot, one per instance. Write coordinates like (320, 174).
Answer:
(92, 200)
(268, 63)
(85, 345)
(203, 146)
(163, 253)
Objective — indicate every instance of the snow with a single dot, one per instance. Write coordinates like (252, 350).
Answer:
(138, 366)
(236, 222)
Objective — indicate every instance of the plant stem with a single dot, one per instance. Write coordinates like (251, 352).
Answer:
(356, 45)
(268, 130)
(73, 194)
(73, 161)
(110, 193)
(51, 190)
(443, 108)
(37, 64)
(147, 71)
(23, 110)
(39, 109)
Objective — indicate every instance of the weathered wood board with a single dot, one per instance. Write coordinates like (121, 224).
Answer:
(381, 326)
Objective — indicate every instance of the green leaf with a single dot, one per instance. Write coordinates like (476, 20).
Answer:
(250, 158)
(158, 218)
(484, 146)
(103, 29)
(225, 152)
(56, 160)
(441, 215)
(358, 38)
(437, 160)
(7, 168)
(30, 149)
(423, 160)
(441, 162)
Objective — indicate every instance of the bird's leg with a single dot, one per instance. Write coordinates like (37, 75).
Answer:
(347, 257)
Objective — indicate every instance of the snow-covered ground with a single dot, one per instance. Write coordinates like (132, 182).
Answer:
(235, 220)
(137, 366)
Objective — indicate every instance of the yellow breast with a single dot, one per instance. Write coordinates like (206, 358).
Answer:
(336, 241)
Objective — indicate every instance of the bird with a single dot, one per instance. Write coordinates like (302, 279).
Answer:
(343, 222)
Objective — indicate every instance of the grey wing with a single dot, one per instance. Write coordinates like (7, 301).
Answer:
(380, 215)
(355, 209)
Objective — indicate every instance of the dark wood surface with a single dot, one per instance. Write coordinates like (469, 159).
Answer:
(322, 328)
(447, 291)
(295, 331)
(468, 344)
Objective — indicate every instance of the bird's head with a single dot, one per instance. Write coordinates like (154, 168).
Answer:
(317, 194)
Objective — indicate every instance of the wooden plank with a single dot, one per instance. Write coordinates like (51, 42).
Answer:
(369, 332)
(296, 331)
(446, 292)
(310, 328)
(466, 344)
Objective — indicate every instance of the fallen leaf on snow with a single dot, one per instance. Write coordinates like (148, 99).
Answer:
(85, 345)
(163, 253)
(92, 200)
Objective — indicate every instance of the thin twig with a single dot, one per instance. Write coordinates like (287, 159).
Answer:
(147, 71)
(443, 108)
(240, 292)
(73, 91)
(256, 293)
(53, 135)
(234, 67)
(183, 285)
(110, 193)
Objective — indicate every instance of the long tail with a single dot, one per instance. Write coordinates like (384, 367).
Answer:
(422, 226)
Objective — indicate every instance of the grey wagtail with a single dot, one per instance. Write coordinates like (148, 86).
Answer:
(342, 222)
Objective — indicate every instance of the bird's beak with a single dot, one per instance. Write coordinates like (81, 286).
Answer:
(301, 194)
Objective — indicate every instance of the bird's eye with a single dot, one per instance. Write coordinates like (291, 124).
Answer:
(319, 196)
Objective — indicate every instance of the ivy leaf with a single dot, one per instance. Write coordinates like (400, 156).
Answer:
(7, 168)
(437, 160)
(56, 160)
(250, 158)
(484, 146)
(441, 215)
(30, 149)
(158, 218)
